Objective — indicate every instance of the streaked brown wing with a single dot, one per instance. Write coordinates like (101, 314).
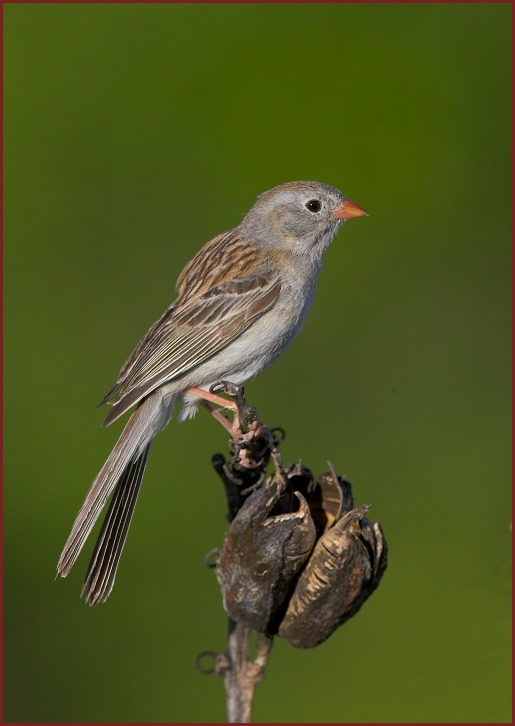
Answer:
(192, 330)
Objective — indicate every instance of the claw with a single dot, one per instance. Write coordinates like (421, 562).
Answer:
(230, 389)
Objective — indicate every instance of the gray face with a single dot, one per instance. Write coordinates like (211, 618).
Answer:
(302, 210)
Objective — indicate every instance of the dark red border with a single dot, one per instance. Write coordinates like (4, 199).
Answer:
(13, 2)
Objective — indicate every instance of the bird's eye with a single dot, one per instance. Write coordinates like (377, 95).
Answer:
(314, 205)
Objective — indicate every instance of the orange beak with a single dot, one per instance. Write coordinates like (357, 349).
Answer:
(348, 210)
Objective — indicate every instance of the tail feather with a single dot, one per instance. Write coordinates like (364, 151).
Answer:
(123, 468)
(108, 549)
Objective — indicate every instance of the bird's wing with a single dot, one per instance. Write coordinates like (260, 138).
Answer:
(210, 312)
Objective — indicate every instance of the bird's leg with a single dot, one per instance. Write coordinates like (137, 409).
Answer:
(209, 398)
(218, 415)
(245, 426)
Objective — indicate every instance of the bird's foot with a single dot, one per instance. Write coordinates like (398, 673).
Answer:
(250, 436)
(213, 398)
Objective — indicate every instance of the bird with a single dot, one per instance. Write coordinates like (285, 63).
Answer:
(240, 303)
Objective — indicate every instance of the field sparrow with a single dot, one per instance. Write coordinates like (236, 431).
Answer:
(240, 303)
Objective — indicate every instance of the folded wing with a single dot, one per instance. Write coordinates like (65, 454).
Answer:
(196, 326)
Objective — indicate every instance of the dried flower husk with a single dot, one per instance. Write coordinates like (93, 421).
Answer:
(273, 576)
(344, 569)
(262, 553)
(331, 496)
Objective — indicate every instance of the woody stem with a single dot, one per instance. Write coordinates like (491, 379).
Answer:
(243, 674)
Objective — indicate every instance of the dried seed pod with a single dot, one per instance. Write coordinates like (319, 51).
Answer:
(262, 554)
(330, 498)
(344, 569)
(299, 479)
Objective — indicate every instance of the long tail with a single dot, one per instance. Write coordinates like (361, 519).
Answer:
(122, 472)
(108, 549)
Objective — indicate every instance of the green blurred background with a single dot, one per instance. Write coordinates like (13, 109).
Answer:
(133, 134)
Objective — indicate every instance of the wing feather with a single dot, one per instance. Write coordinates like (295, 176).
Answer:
(196, 326)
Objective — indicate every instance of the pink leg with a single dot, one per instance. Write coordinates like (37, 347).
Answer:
(219, 416)
(219, 400)
(257, 428)
(208, 398)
